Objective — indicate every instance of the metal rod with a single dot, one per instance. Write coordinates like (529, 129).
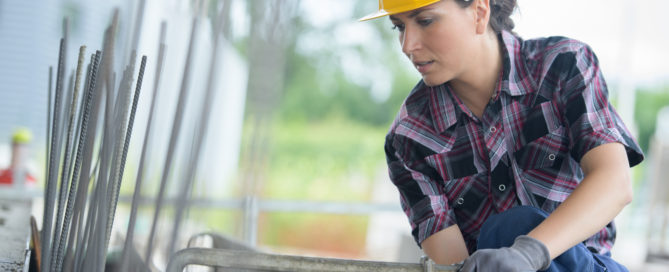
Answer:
(85, 174)
(80, 199)
(96, 221)
(139, 19)
(117, 132)
(189, 178)
(65, 172)
(85, 110)
(140, 171)
(101, 186)
(66, 107)
(121, 114)
(52, 179)
(272, 262)
(48, 122)
(108, 49)
(178, 117)
(131, 121)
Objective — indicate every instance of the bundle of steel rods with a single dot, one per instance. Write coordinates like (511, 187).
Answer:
(80, 200)
(89, 131)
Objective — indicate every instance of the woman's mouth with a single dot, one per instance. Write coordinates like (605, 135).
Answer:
(423, 66)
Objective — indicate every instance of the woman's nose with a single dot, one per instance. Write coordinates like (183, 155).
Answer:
(410, 40)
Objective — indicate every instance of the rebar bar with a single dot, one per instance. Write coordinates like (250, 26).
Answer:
(131, 121)
(121, 112)
(54, 156)
(189, 177)
(85, 174)
(79, 198)
(85, 112)
(178, 117)
(128, 244)
(65, 172)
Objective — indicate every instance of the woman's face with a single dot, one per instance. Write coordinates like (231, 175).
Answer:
(438, 39)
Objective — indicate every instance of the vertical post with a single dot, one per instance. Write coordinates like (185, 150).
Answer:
(251, 219)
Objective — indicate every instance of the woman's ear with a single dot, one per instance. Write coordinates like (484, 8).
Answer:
(482, 12)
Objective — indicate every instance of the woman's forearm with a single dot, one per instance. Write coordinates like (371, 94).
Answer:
(603, 193)
(446, 246)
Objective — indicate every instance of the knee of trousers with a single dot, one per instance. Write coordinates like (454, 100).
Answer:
(500, 230)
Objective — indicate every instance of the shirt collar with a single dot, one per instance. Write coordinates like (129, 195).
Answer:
(515, 77)
(443, 107)
(514, 81)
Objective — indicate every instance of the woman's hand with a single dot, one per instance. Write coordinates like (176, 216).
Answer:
(526, 254)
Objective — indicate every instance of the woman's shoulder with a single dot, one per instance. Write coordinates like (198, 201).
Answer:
(556, 55)
(547, 47)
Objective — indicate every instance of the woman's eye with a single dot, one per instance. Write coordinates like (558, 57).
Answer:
(424, 22)
(398, 27)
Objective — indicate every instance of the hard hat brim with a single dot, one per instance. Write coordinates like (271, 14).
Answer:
(385, 12)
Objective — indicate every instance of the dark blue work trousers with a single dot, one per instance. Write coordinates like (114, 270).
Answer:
(500, 230)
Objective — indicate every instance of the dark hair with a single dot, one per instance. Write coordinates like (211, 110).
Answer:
(500, 13)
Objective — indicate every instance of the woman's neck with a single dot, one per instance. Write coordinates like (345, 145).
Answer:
(477, 84)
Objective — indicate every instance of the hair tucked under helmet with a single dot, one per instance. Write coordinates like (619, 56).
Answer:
(500, 13)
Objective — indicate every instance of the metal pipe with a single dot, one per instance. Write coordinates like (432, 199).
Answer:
(272, 262)
(178, 117)
(127, 246)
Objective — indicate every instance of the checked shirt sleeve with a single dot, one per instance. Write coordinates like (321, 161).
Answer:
(421, 196)
(591, 119)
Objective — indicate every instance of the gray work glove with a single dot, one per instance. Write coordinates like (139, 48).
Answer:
(526, 254)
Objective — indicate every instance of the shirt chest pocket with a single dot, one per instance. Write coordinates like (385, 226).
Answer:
(454, 164)
(547, 151)
(463, 184)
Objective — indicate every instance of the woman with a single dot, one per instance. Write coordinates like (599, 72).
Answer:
(507, 154)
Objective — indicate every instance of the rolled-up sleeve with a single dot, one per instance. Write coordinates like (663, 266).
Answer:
(591, 119)
(421, 197)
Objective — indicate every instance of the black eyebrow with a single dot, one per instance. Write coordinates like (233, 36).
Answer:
(412, 14)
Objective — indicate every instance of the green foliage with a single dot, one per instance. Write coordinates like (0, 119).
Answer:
(333, 160)
(326, 141)
(648, 104)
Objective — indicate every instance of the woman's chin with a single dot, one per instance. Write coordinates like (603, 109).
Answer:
(431, 81)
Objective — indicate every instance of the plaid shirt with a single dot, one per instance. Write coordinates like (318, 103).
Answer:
(549, 109)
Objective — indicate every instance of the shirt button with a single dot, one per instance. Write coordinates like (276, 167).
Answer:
(551, 157)
(501, 187)
(493, 129)
(460, 201)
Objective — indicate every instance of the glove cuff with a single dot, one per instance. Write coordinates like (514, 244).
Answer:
(534, 250)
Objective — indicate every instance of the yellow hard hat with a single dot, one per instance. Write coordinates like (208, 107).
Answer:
(390, 7)
(22, 136)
